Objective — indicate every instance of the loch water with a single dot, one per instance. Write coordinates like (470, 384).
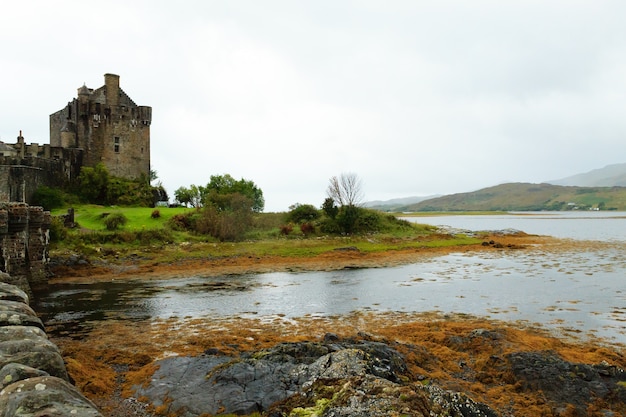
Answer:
(582, 291)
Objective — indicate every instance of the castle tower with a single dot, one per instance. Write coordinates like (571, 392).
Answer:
(112, 89)
(109, 128)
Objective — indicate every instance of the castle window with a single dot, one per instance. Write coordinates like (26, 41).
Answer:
(116, 144)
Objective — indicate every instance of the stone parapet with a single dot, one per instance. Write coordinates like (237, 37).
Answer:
(33, 377)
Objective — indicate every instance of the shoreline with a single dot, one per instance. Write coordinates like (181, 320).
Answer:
(340, 258)
(115, 355)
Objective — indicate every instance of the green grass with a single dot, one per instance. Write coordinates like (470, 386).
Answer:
(91, 217)
(153, 238)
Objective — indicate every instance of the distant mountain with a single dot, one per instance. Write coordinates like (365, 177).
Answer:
(395, 203)
(528, 197)
(609, 176)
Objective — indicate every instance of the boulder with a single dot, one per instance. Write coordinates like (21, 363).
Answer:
(564, 382)
(44, 396)
(331, 378)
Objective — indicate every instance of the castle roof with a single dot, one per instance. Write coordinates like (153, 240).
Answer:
(84, 90)
(6, 148)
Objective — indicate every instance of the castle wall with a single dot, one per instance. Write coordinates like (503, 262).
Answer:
(52, 167)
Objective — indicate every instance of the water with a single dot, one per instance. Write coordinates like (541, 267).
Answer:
(581, 290)
(582, 225)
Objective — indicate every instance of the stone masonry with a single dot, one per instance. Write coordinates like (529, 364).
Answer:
(24, 238)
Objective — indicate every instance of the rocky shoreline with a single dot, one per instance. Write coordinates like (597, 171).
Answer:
(363, 364)
(343, 377)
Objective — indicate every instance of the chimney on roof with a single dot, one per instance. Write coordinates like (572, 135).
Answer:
(112, 86)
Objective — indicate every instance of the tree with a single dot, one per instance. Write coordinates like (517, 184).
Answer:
(330, 208)
(191, 196)
(222, 185)
(345, 190)
(49, 198)
(94, 184)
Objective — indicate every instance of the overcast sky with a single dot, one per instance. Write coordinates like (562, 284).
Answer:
(415, 97)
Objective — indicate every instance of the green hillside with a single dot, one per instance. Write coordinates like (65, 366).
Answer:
(528, 197)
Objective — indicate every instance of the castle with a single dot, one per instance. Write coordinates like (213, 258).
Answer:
(98, 126)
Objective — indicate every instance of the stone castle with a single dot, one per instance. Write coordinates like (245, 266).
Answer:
(98, 126)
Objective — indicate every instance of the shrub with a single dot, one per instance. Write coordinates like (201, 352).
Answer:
(307, 228)
(114, 221)
(286, 229)
(226, 225)
(48, 198)
(182, 222)
(303, 213)
(368, 221)
(57, 229)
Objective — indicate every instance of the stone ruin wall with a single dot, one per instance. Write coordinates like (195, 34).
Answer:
(24, 239)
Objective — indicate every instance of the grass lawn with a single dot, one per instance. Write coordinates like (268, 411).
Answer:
(139, 218)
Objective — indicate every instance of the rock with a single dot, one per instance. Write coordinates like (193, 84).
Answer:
(564, 382)
(14, 372)
(18, 282)
(334, 377)
(9, 333)
(29, 346)
(44, 396)
(9, 292)
(15, 313)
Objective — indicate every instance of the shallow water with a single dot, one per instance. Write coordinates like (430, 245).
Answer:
(580, 292)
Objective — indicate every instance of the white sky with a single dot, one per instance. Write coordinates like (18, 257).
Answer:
(415, 97)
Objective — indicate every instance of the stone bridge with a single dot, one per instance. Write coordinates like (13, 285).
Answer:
(24, 239)
(33, 377)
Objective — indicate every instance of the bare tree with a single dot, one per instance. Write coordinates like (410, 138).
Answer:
(346, 190)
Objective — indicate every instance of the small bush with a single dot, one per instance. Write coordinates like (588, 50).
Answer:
(155, 214)
(302, 213)
(182, 222)
(307, 228)
(286, 229)
(114, 221)
(57, 229)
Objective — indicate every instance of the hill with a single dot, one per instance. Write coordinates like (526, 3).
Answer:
(609, 176)
(528, 197)
(396, 203)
